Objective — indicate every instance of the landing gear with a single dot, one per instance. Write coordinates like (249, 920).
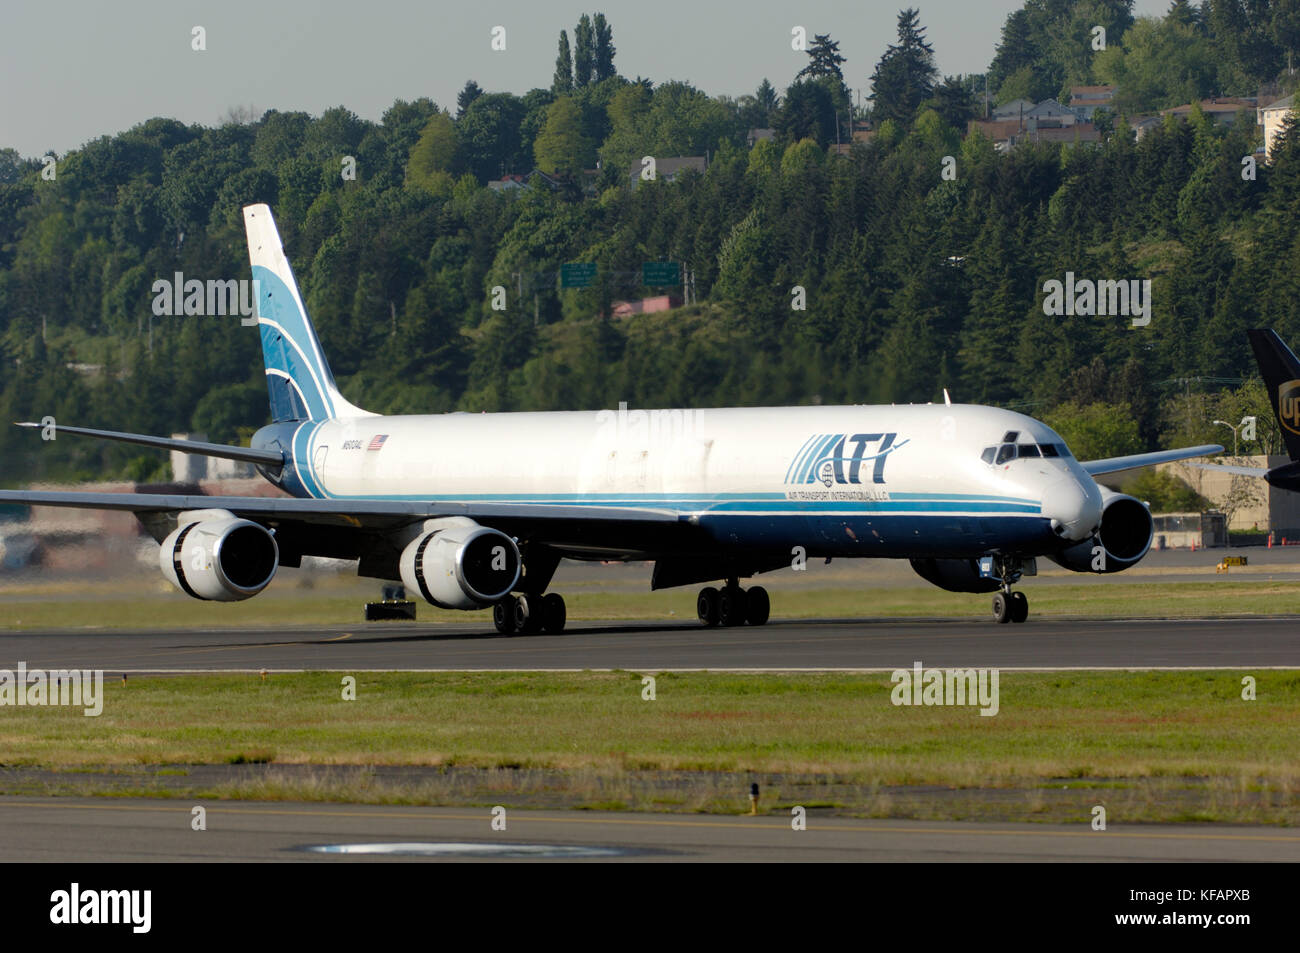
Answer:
(732, 605)
(530, 614)
(1010, 606)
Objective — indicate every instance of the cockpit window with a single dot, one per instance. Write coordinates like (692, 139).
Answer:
(1011, 436)
(1006, 452)
(1049, 450)
(988, 454)
(1026, 450)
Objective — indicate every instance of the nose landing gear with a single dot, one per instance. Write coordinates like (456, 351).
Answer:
(1009, 606)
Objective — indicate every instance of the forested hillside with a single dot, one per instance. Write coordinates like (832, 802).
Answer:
(913, 281)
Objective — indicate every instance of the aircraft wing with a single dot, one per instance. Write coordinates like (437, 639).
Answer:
(349, 529)
(1239, 471)
(1135, 460)
(377, 514)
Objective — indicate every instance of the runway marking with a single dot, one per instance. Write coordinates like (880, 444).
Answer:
(345, 635)
(781, 824)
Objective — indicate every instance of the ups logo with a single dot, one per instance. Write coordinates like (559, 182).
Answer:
(1288, 405)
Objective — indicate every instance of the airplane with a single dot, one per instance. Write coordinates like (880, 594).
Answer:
(475, 511)
(1281, 372)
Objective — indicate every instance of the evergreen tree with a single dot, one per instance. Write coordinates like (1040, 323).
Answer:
(824, 59)
(584, 41)
(904, 77)
(471, 92)
(603, 58)
(563, 81)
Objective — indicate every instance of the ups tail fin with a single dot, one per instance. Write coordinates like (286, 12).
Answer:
(298, 378)
(1281, 372)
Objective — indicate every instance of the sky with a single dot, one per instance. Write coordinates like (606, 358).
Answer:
(84, 69)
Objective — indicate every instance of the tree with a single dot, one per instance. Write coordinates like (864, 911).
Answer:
(824, 59)
(489, 136)
(584, 41)
(471, 92)
(954, 103)
(904, 77)
(563, 81)
(603, 56)
(432, 159)
(561, 146)
(808, 112)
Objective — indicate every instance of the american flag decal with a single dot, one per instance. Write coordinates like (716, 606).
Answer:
(377, 441)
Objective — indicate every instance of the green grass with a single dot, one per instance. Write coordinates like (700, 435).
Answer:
(1168, 745)
(148, 609)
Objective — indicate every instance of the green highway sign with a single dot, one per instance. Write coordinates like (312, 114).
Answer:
(660, 274)
(577, 274)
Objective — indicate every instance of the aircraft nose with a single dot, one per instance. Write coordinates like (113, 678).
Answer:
(1074, 509)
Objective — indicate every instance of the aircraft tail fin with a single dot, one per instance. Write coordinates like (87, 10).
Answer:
(298, 378)
(1281, 372)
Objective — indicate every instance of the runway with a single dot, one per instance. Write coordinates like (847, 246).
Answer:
(653, 646)
(141, 830)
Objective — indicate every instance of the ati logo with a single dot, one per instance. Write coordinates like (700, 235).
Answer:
(839, 458)
(1288, 405)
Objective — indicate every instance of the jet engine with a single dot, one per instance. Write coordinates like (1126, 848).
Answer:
(1123, 539)
(457, 564)
(219, 557)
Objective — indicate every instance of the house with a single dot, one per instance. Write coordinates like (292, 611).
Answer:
(1271, 118)
(1141, 125)
(1013, 110)
(507, 183)
(1006, 134)
(1086, 100)
(755, 136)
(1222, 111)
(668, 168)
(1050, 113)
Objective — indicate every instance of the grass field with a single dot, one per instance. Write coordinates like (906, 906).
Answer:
(110, 607)
(1150, 746)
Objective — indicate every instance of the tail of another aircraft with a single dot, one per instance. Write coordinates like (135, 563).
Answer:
(1281, 372)
(298, 378)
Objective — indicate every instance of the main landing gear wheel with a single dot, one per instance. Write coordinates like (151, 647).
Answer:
(1010, 607)
(530, 614)
(732, 605)
(503, 615)
(1019, 607)
(554, 614)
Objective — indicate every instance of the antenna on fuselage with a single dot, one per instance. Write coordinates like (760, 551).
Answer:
(946, 399)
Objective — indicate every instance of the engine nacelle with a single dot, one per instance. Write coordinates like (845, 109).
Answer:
(1124, 537)
(458, 564)
(219, 556)
(955, 575)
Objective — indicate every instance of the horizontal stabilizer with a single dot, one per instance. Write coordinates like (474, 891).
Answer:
(267, 458)
(1133, 461)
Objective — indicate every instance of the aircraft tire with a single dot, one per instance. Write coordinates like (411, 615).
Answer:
(757, 606)
(706, 606)
(1019, 607)
(503, 615)
(554, 614)
(1001, 608)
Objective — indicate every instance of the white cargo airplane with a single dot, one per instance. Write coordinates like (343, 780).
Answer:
(474, 511)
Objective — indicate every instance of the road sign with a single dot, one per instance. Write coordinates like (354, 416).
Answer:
(577, 274)
(661, 274)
